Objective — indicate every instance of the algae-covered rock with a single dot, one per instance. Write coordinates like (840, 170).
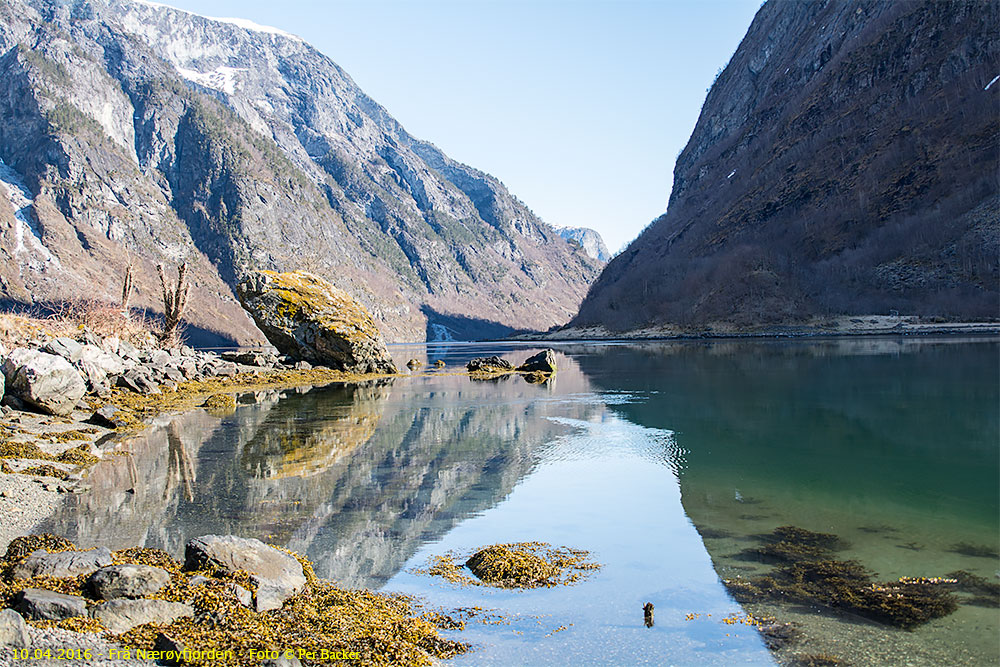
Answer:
(529, 565)
(308, 318)
(543, 362)
(492, 364)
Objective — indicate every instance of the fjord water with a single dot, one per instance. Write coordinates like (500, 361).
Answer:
(665, 460)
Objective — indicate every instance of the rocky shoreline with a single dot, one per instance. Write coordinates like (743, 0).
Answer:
(232, 601)
(53, 428)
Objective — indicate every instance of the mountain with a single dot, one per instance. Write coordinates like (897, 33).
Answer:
(588, 239)
(135, 132)
(845, 162)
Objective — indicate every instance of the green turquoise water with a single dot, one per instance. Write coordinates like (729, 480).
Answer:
(665, 460)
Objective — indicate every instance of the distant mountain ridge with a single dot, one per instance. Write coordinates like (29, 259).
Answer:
(144, 132)
(844, 162)
(588, 239)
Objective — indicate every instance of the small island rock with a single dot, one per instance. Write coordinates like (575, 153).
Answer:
(543, 362)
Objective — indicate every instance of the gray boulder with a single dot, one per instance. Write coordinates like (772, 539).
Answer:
(13, 629)
(67, 348)
(543, 362)
(489, 365)
(127, 581)
(42, 605)
(97, 366)
(308, 318)
(62, 564)
(45, 381)
(277, 574)
(122, 615)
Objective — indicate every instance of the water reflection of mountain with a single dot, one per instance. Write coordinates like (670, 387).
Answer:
(892, 419)
(355, 477)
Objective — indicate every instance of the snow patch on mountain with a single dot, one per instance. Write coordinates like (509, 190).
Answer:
(221, 78)
(21, 201)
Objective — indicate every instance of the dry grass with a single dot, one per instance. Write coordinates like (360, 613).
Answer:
(70, 320)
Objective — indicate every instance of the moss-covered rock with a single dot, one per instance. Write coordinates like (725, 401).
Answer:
(308, 318)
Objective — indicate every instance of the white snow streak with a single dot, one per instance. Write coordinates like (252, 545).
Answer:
(239, 23)
(222, 78)
(995, 79)
(21, 201)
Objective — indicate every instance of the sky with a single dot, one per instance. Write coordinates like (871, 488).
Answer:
(579, 107)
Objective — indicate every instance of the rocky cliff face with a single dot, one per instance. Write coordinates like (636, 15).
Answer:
(135, 130)
(845, 162)
(588, 239)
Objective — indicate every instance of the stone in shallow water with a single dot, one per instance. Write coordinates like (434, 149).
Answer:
(543, 362)
(127, 581)
(489, 365)
(122, 615)
(43, 605)
(62, 564)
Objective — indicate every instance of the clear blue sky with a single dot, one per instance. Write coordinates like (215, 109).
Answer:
(579, 107)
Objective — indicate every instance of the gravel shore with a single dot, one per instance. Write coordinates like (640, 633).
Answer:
(67, 649)
(24, 503)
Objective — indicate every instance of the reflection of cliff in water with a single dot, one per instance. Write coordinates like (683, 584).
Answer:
(354, 477)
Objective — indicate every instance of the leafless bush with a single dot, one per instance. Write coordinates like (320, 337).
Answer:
(174, 300)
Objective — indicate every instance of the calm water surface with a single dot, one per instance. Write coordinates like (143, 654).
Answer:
(665, 460)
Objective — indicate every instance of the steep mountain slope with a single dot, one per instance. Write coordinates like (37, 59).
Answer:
(845, 162)
(588, 239)
(136, 130)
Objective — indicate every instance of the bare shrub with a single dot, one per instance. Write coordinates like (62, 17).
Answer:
(174, 300)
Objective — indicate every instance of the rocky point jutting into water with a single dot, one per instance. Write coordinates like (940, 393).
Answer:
(845, 162)
(133, 132)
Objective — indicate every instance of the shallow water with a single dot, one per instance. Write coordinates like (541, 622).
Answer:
(662, 459)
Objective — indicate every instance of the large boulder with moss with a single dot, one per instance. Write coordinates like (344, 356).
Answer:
(306, 317)
(45, 381)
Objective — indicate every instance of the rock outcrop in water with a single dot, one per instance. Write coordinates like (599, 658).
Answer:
(306, 317)
(844, 163)
(135, 129)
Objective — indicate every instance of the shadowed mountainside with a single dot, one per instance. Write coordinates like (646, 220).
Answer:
(845, 162)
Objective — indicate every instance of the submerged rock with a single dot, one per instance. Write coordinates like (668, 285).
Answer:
(308, 318)
(45, 381)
